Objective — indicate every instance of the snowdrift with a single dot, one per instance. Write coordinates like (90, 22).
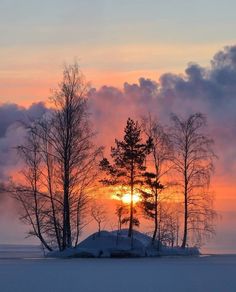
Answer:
(117, 244)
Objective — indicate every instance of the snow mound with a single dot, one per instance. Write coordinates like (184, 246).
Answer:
(142, 237)
(108, 244)
(118, 244)
(111, 244)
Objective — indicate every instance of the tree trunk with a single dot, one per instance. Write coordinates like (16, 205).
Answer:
(185, 206)
(131, 211)
(39, 234)
(49, 172)
(155, 220)
(185, 221)
(159, 229)
(131, 201)
(66, 215)
(185, 197)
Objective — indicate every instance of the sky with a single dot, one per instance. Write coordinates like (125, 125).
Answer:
(161, 56)
(113, 40)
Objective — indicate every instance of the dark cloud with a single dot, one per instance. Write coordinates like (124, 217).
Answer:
(210, 90)
(13, 113)
(12, 132)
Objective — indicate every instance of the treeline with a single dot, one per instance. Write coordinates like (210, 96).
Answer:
(167, 168)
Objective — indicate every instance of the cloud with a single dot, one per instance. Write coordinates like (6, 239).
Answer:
(209, 90)
(12, 132)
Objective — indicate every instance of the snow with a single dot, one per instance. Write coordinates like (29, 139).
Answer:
(105, 244)
(118, 244)
(164, 274)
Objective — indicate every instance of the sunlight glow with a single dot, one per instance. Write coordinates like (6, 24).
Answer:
(126, 198)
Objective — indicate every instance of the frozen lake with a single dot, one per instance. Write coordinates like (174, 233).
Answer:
(25, 271)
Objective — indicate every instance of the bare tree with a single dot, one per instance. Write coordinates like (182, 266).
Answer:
(193, 165)
(177, 215)
(158, 165)
(68, 160)
(28, 194)
(168, 218)
(122, 211)
(99, 214)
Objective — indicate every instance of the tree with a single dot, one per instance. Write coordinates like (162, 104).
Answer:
(121, 212)
(128, 164)
(150, 199)
(159, 158)
(28, 194)
(193, 165)
(67, 161)
(168, 222)
(99, 214)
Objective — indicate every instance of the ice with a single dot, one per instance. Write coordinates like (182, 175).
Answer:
(20, 251)
(163, 274)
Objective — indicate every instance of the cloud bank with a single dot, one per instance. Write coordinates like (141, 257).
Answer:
(12, 118)
(211, 91)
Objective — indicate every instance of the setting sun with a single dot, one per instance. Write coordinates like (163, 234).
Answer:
(126, 198)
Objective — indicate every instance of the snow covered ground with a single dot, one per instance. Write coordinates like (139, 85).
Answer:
(113, 244)
(208, 273)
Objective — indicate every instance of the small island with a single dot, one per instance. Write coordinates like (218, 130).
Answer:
(117, 244)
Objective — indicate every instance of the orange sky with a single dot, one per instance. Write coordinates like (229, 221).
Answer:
(29, 75)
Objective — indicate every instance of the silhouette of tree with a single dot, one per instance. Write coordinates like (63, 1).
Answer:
(193, 164)
(128, 164)
(158, 162)
(99, 214)
(61, 164)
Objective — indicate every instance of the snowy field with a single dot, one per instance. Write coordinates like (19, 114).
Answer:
(25, 271)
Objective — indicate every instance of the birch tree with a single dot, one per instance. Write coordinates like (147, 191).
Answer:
(68, 161)
(193, 164)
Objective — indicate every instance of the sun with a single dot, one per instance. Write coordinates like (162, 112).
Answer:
(126, 198)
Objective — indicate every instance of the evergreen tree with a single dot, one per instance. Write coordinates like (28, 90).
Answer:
(128, 164)
(150, 199)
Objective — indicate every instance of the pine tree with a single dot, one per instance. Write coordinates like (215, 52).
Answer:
(150, 199)
(128, 164)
